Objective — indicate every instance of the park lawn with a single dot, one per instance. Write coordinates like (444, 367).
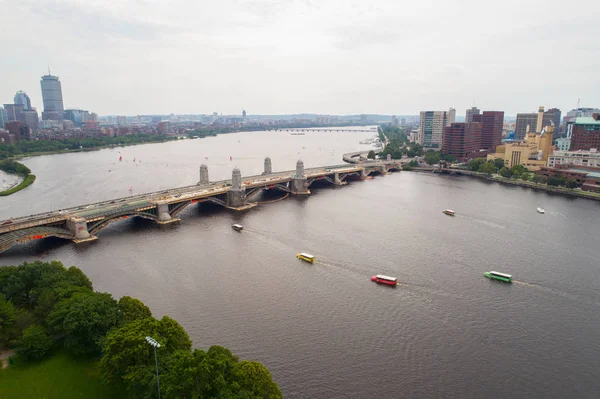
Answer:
(57, 376)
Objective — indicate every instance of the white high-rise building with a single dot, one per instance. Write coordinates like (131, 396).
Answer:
(431, 127)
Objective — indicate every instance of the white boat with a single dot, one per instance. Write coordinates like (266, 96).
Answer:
(541, 210)
(237, 227)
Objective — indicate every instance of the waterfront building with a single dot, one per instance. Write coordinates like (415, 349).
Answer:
(584, 133)
(589, 158)
(587, 177)
(22, 98)
(533, 152)
(492, 123)
(52, 97)
(431, 127)
(462, 140)
(470, 113)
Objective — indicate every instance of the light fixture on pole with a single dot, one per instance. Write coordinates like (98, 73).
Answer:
(155, 344)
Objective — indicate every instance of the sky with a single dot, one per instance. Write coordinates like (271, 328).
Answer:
(126, 57)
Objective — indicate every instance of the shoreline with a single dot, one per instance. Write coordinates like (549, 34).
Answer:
(521, 183)
(10, 166)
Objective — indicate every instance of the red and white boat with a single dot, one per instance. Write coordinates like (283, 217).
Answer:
(387, 280)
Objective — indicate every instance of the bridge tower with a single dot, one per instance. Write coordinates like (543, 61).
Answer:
(203, 174)
(268, 169)
(299, 184)
(389, 157)
(236, 195)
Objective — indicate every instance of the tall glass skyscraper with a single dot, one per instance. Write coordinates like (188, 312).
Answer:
(52, 96)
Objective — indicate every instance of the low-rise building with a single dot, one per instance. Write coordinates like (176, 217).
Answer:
(588, 178)
(532, 152)
(577, 158)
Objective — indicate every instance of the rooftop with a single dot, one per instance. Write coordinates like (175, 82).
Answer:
(586, 120)
(595, 175)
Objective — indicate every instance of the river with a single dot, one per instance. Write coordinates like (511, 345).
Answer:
(325, 330)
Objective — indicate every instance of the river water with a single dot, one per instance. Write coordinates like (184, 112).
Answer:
(325, 330)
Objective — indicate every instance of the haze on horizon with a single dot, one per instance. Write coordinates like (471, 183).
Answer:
(320, 56)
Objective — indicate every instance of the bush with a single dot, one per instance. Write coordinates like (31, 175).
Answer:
(505, 172)
(35, 343)
(571, 183)
(371, 154)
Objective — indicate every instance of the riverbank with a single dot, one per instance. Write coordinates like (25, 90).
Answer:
(11, 166)
(521, 183)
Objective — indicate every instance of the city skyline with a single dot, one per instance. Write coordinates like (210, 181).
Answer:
(301, 57)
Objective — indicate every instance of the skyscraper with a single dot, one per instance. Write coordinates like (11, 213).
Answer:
(14, 112)
(492, 123)
(431, 127)
(22, 98)
(2, 117)
(462, 140)
(52, 96)
(470, 113)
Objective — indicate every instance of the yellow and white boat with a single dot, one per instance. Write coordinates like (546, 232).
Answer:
(306, 257)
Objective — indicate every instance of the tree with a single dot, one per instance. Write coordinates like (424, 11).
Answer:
(499, 163)
(88, 320)
(518, 170)
(556, 181)
(488, 168)
(371, 154)
(505, 172)
(255, 379)
(475, 164)
(432, 157)
(133, 309)
(571, 183)
(540, 179)
(35, 343)
(449, 158)
(526, 176)
(8, 317)
(127, 357)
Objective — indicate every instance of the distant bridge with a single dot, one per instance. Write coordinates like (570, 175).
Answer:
(341, 129)
(82, 223)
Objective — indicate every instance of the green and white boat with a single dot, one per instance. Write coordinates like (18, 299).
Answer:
(506, 278)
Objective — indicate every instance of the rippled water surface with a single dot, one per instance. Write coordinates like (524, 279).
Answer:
(325, 330)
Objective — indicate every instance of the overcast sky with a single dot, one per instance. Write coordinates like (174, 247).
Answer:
(292, 56)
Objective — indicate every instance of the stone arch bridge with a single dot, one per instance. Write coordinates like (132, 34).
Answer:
(82, 223)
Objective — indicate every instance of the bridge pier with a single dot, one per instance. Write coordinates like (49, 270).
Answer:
(78, 227)
(164, 216)
(203, 174)
(363, 174)
(236, 195)
(337, 181)
(382, 169)
(299, 184)
(268, 169)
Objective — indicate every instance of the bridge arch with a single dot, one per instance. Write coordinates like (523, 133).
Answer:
(95, 227)
(32, 233)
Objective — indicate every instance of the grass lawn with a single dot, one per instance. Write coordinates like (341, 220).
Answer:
(57, 376)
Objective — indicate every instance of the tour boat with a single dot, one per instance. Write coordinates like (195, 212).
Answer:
(387, 280)
(541, 210)
(507, 278)
(306, 257)
(448, 212)
(237, 227)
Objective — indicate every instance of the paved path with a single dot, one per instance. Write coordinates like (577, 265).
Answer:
(4, 358)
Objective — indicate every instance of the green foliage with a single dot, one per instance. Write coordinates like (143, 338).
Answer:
(133, 309)
(35, 343)
(475, 164)
(371, 154)
(571, 183)
(12, 166)
(488, 167)
(505, 172)
(540, 179)
(556, 181)
(255, 379)
(432, 157)
(128, 358)
(27, 147)
(449, 158)
(28, 181)
(526, 176)
(518, 170)
(8, 317)
(499, 163)
(88, 320)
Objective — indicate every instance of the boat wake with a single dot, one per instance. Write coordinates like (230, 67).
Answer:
(563, 294)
